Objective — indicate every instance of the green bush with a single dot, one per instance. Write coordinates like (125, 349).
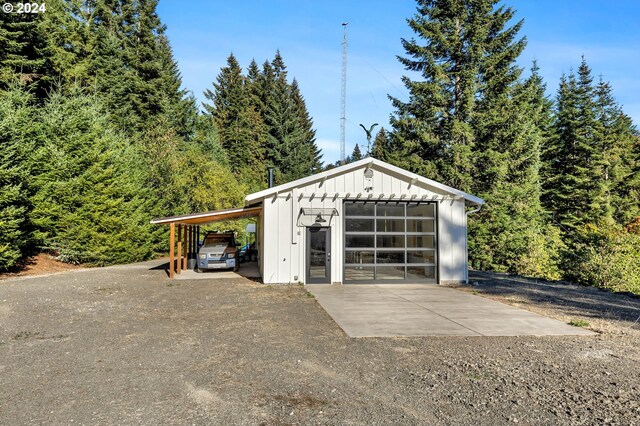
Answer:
(543, 256)
(608, 256)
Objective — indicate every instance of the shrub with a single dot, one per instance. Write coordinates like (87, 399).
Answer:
(543, 256)
(608, 256)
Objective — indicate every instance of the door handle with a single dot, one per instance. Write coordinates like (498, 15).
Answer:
(329, 257)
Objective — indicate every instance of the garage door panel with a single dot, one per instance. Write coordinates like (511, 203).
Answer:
(421, 241)
(390, 242)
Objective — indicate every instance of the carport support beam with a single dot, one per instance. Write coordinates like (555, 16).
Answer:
(193, 241)
(184, 254)
(195, 250)
(179, 255)
(172, 244)
(188, 245)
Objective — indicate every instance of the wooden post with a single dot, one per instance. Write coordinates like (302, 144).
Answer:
(193, 241)
(179, 255)
(184, 255)
(187, 248)
(172, 244)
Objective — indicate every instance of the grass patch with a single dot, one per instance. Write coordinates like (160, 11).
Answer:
(579, 323)
(310, 295)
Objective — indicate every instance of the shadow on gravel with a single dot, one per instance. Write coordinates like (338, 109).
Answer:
(591, 301)
(161, 266)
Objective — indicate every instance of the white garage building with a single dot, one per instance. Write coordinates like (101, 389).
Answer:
(364, 222)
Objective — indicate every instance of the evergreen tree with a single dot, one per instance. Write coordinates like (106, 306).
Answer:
(176, 103)
(89, 200)
(467, 58)
(571, 187)
(18, 134)
(240, 127)
(225, 99)
(285, 134)
(380, 148)
(290, 147)
(264, 86)
(508, 233)
(356, 154)
(21, 52)
(310, 156)
(131, 65)
(254, 87)
(69, 37)
(618, 187)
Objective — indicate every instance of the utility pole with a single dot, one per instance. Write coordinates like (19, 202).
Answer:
(343, 92)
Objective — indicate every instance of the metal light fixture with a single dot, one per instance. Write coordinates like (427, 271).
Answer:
(319, 218)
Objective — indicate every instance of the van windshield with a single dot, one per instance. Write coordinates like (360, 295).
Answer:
(217, 241)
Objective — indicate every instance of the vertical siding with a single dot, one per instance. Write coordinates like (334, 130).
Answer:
(452, 240)
(260, 243)
(444, 241)
(270, 247)
(459, 241)
(284, 243)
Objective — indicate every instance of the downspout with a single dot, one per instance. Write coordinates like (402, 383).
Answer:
(466, 240)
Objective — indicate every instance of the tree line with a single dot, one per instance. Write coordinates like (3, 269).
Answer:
(263, 122)
(561, 177)
(98, 136)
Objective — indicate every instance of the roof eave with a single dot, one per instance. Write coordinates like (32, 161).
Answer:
(256, 197)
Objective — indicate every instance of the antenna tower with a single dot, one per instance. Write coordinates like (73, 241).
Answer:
(343, 92)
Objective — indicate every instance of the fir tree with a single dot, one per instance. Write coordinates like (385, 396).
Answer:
(290, 147)
(507, 234)
(356, 154)
(131, 65)
(89, 204)
(572, 178)
(467, 58)
(617, 184)
(21, 54)
(18, 134)
(380, 148)
(310, 157)
(240, 127)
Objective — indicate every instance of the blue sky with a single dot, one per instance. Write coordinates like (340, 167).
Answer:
(309, 37)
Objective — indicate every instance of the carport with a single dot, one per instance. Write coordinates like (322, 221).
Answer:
(187, 229)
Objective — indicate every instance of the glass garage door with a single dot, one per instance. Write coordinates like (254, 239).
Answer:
(389, 242)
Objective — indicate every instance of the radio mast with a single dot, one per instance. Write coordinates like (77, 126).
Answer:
(343, 92)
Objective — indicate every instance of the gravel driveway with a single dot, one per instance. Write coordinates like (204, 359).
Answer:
(124, 345)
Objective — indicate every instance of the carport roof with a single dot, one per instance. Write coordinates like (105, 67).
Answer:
(207, 217)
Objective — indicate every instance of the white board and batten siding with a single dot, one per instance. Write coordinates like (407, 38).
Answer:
(282, 241)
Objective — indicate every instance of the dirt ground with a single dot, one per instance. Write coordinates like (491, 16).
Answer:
(124, 345)
(39, 264)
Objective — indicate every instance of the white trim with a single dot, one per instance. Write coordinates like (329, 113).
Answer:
(365, 162)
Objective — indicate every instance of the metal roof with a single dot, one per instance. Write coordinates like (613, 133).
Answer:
(256, 197)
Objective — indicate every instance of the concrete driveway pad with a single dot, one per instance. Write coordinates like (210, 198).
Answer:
(428, 310)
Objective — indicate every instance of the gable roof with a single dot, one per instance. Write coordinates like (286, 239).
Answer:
(365, 162)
